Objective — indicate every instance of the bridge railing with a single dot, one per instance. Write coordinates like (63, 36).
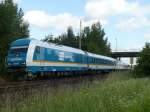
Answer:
(126, 50)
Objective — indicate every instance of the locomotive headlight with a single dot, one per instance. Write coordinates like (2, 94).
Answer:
(9, 64)
(23, 63)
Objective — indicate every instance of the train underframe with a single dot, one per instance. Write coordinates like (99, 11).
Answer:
(20, 73)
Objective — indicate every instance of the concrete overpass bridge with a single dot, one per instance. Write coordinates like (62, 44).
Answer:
(125, 54)
(131, 54)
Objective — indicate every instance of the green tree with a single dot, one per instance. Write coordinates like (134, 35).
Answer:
(12, 27)
(143, 62)
(48, 38)
(68, 38)
(85, 38)
(94, 40)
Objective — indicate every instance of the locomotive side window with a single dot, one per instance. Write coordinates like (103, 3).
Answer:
(37, 49)
(36, 53)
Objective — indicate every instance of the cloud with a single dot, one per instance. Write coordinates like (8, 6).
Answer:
(136, 13)
(1, 1)
(132, 23)
(45, 20)
(17, 1)
(96, 10)
(105, 8)
(91, 21)
(147, 36)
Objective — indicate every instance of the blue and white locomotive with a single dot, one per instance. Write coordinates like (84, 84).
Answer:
(36, 57)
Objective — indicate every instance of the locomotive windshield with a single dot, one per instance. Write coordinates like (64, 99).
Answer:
(18, 51)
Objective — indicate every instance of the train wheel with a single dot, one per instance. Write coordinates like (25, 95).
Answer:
(29, 76)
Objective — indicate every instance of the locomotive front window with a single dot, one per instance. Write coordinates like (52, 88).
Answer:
(18, 50)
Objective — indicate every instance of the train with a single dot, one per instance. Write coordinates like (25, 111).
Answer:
(31, 58)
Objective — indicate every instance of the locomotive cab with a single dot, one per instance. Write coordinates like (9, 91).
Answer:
(17, 56)
(16, 59)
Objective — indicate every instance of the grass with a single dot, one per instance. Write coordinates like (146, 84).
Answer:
(118, 93)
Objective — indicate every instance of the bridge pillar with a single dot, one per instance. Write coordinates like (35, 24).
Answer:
(131, 62)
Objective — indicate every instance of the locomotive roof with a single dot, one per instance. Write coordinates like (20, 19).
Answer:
(56, 46)
(21, 42)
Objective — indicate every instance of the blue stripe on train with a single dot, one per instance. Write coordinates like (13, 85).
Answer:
(35, 69)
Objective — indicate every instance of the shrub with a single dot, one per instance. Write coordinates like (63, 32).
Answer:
(143, 62)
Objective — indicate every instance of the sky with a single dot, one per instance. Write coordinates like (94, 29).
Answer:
(126, 22)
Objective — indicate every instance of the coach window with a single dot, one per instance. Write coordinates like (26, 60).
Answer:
(90, 58)
(105, 62)
(81, 58)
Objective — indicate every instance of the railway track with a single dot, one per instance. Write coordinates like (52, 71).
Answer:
(7, 85)
(52, 82)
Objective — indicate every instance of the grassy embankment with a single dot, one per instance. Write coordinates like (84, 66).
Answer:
(119, 93)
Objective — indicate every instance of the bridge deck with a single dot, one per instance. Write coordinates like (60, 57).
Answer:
(124, 54)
